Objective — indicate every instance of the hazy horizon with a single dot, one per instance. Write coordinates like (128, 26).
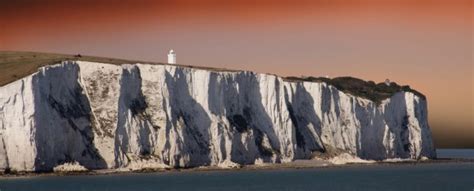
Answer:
(426, 44)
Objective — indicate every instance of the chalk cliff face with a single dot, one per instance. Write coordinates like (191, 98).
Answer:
(139, 116)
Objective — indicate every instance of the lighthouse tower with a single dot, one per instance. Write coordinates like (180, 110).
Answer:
(171, 57)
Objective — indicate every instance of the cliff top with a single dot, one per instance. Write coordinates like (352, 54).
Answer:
(366, 89)
(15, 65)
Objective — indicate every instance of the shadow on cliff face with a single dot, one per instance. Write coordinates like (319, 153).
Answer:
(397, 120)
(218, 97)
(370, 138)
(188, 116)
(331, 115)
(63, 120)
(240, 99)
(373, 136)
(305, 121)
(427, 146)
(132, 117)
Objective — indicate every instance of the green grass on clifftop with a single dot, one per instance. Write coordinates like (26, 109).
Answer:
(15, 65)
(361, 88)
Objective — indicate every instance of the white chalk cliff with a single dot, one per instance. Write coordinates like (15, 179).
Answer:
(143, 115)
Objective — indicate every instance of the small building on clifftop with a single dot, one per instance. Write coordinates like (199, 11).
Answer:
(171, 57)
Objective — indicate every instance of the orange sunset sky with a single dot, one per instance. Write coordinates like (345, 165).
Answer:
(426, 44)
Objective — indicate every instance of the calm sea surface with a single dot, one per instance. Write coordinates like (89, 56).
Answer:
(432, 176)
(455, 153)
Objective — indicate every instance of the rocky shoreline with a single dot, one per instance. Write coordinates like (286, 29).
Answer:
(298, 164)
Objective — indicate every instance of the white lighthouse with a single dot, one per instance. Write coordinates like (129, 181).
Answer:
(171, 57)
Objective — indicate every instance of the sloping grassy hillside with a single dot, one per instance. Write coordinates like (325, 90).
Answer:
(361, 88)
(15, 65)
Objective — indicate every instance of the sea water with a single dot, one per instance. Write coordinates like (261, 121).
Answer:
(405, 176)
